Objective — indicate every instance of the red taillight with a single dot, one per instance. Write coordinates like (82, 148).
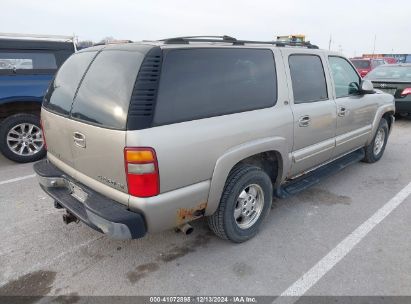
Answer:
(142, 172)
(406, 92)
(42, 133)
(363, 73)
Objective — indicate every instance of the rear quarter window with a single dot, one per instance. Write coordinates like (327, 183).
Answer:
(27, 62)
(200, 83)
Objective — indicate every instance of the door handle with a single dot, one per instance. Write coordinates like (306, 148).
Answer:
(342, 111)
(304, 121)
(79, 139)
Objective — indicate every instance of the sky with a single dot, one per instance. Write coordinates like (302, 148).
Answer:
(354, 25)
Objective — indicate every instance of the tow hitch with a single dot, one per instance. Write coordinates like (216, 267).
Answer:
(69, 218)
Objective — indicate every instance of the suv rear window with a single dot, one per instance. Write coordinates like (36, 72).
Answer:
(200, 83)
(27, 61)
(60, 96)
(104, 94)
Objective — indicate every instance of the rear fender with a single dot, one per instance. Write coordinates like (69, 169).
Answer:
(236, 154)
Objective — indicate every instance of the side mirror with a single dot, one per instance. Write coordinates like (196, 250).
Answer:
(366, 87)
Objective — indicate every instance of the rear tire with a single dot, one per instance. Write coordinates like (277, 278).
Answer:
(375, 150)
(33, 138)
(245, 202)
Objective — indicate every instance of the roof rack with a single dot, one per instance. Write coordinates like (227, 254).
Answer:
(233, 41)
(37, 36)
(187, 39)
(112, 42)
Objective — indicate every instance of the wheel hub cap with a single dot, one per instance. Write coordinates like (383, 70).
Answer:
(379, 141)
(249, 206)
(25, 139)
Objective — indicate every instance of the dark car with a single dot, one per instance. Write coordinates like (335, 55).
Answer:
(26, 70)
(396, 80)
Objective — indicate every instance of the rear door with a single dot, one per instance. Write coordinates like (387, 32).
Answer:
(99, 116)
(313, 109)
(57, 103)
(85, 114)
(355, 111)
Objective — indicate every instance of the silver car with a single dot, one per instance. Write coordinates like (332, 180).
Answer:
(143, 137)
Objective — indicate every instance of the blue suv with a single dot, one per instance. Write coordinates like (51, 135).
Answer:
(26, 70)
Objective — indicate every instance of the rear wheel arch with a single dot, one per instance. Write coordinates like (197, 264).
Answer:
(19, 107)
(260, 154)
(269, 161)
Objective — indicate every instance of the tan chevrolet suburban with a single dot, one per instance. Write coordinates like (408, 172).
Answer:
(148, 136)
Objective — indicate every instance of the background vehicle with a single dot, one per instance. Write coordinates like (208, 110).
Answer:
(390, 60)
(365, 65)
(394, 79)
(296, 38)
(26, 69)
(144, 137)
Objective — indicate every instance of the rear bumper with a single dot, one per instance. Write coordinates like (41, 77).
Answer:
(97, 211)
(402, 106)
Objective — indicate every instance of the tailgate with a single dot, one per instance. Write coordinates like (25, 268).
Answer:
(90, 136)
(99, 153)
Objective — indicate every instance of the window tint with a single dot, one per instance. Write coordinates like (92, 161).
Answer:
(308, 79)
(61, 92)
(27, 60)
(200, 83)
(346, 79)
(104, 95)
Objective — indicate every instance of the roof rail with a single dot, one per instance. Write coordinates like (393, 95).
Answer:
(39, 36)
(234, 41)
(187, 39)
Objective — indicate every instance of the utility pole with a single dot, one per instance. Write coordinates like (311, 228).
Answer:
(373, 49)
(329, 43)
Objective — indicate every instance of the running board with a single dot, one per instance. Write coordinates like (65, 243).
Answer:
(305, 181)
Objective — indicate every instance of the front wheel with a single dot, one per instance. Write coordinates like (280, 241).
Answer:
(21, 139)
(245, 202)
(375, 150)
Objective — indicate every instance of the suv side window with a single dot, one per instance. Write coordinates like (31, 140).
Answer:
(207, 82)
(346, 79)
(308, 78)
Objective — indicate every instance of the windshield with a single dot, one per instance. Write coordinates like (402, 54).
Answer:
(402, 73)
(361, 64)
